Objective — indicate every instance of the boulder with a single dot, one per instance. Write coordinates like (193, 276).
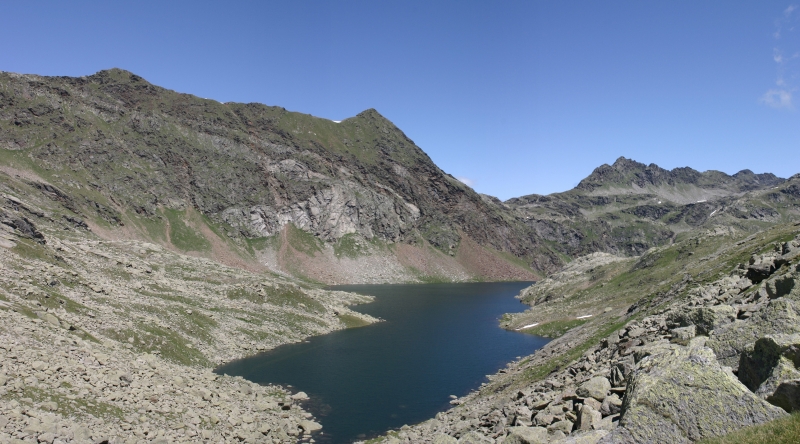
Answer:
(52, 320)
(597, 388)
(621, 370)
(705, 319)
(81, 433)
(523, 416)
(39, 366)
(299, 396)
(635, 332)
(564, 426)
(543, 419)
(608, 423)
(588, 418)
(441, 438)
(587, 437)
(47, 437)
(730, 341)
(772, 364)
(611, 405)
(310, 426)
(768, 355)
(783, 285)
(682, 394)
(783, 372)
(761, 267)
(593, 403)
(787, 396)
(612, 340)
(527, 435)
(474, 438)
(682, 335)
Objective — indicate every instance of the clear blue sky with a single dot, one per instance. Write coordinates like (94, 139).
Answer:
(517, 97)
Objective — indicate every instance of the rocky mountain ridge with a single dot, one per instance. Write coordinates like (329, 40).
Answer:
(628, 207)
(125, 152)
(356, 201)
(627, 173)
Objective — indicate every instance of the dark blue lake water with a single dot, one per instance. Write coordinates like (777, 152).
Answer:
(437, 340)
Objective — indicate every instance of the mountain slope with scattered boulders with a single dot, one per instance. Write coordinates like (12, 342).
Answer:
(689, 341)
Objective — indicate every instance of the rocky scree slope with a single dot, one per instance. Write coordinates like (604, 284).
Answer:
(689, 341)
(628, 207)
(115, 341)
(118, 151)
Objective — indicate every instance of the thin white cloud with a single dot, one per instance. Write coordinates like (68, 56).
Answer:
(781, 96)
(778, 98)
(466, 181)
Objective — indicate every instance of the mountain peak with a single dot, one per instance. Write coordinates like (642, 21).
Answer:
(371, 112)
(624, 162)
(627, 172)
(373, 116)
(116, 75)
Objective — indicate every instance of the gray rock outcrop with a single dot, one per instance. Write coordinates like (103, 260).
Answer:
(527, 435)
(682, 394)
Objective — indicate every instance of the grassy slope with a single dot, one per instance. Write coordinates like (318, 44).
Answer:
(780, 431)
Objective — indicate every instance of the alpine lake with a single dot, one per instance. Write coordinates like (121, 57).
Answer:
(435, 340)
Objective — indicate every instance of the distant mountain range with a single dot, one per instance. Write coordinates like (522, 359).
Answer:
(352, 202)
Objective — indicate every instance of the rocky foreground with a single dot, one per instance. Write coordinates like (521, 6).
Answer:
(720, 356)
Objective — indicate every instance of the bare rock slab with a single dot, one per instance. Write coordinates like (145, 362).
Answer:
(682, 394)
(781, 316)
(597, 388)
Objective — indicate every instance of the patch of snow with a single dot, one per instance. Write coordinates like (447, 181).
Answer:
(526, 326)
(701, 201)
(712, 213)
(584, 316)
(336, 121)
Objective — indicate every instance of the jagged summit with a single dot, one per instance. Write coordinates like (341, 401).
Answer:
(629, 207)
(627, 172)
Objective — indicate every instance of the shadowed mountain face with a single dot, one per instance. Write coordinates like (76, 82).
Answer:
(355, 201)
